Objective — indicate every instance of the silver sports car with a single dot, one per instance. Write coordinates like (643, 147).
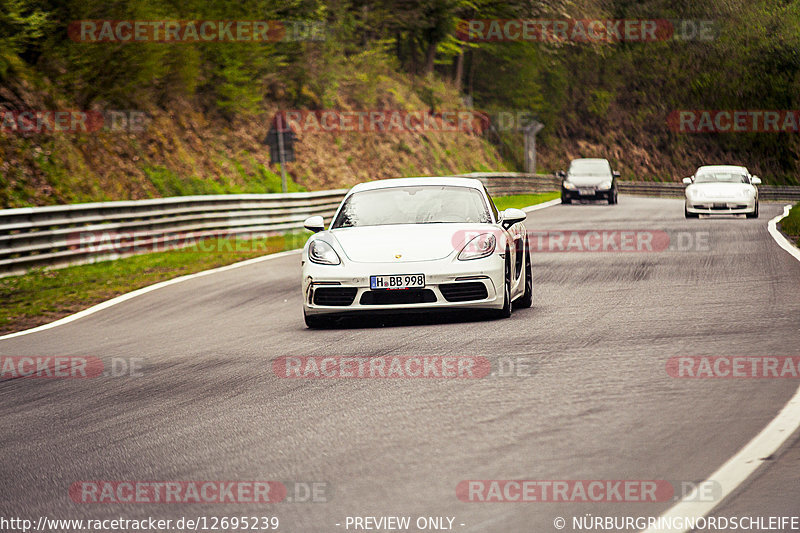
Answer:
(416, 244)
(721, 190)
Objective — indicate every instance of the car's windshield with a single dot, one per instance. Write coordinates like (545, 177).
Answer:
(721, 177)
(424, 204)
(583, 167)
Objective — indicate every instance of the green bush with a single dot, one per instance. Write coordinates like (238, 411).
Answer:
(791, 224)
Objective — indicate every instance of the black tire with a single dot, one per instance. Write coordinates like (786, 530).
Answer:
(754, 214)
(316, 321)
(526, 300)
(612, 200)
(565, 199)
(687, 214)
(505, 312)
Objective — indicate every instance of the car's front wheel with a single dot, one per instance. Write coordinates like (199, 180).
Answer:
(754, 214)
(612, 198)
(526, 300)
(565, 199)
(505, 312)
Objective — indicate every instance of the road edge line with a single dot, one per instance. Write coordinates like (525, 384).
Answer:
(144, 290)
(542, 205)
(782, 241)
(746, 461)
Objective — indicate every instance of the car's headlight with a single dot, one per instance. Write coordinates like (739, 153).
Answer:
(568, 185)
(747, 193)
(605, 185)
(481, 246)
(693, 193)
(322, 253)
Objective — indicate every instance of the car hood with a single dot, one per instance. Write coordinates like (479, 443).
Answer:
(587, 181)
(720, 190)
(402, 243)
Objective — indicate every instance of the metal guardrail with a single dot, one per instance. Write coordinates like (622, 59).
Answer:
(57, 236)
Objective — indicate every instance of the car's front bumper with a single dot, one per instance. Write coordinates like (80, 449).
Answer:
(589, 193)
(721, 206)
(449, 284)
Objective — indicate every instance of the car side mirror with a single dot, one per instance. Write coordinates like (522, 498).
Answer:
(511, 216)
(315, 223)
(687, 181)
(615, 174)
(561, 174)
(755, 180)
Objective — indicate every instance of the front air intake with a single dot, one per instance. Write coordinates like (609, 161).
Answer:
(464, 292)
(337, 296)
(396, 297)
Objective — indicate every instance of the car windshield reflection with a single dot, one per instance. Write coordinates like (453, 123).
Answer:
(413, 205)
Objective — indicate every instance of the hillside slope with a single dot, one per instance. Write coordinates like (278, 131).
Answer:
(184, 150)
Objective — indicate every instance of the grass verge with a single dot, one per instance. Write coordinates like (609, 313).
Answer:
(42, 296)
(791, 224)
(524, 200)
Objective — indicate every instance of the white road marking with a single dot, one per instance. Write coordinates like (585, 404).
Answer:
(150, 288)
(144, 290)
(739, 467)
(782, 241)
(543, 205)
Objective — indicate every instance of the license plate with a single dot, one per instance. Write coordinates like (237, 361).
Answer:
(586, 191)
(720, 206)
(397, 281)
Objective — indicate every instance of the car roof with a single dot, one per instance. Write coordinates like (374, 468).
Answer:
(410, 182)
(722, 168)
(590, 159)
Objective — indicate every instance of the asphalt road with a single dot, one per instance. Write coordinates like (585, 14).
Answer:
(598, 403)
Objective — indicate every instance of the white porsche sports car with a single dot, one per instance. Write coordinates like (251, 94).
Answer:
(721, 190)
(416, 244)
